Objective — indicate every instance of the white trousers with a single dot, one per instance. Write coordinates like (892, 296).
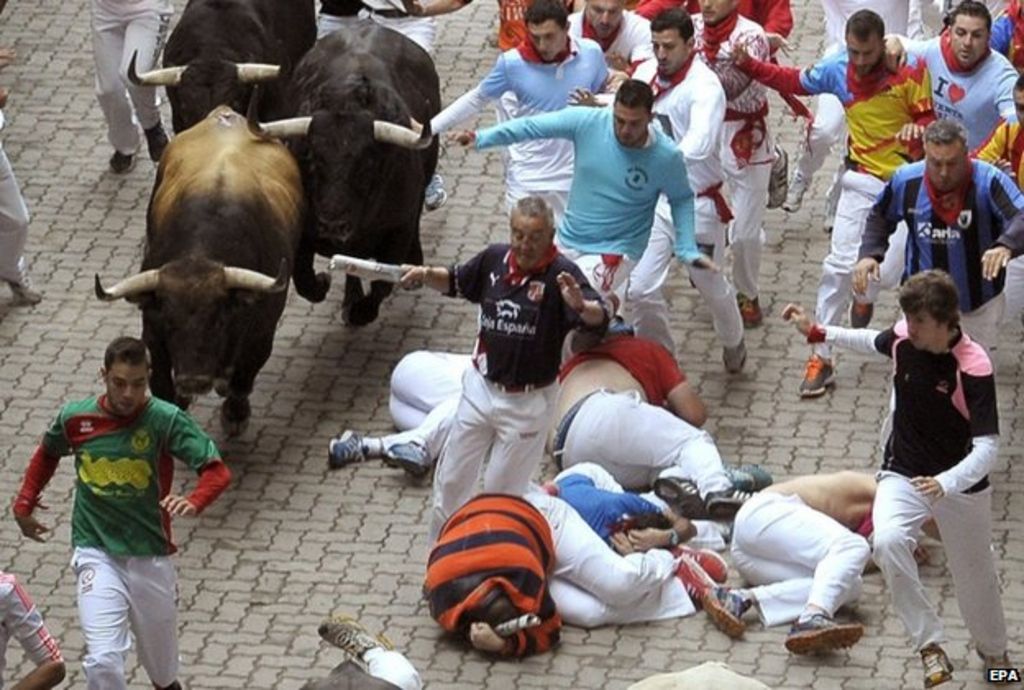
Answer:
(327, 24)
(432, 433)
(13, 222)
(645, 298)
(392, 667)
(593, 586)
(965, 523)
(420, 30)
(982, 324)
(795, 556)
(421, 381)
(505, 430)
(638, 442)
(826, 131)
(611, 282)
(748, 188)
(118, 597)
(120, 30)
(557, 199)
(835, 290)
(1014, 289)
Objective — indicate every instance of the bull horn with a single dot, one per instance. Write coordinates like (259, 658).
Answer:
(390, 133)
(292, 127)
(244, 279)
(168, 76)
(129, 287)
(249, 72)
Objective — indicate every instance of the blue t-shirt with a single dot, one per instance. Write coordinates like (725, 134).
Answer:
(614, 188)
(599, 508)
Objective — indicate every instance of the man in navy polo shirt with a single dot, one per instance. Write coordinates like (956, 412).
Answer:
(530, 298)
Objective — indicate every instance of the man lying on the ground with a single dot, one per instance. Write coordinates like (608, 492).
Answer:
(627, 375)
(802, 545)
(496, 544)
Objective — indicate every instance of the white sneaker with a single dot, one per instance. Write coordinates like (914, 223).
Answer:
(795, 194)
(22, 290)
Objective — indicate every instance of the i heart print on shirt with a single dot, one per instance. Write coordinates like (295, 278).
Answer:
(956, 93)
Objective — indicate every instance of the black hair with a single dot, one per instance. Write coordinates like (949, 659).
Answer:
(673, 18)
(969, 8)
(635, 94)
(125, 349)
(547, 10)
(863, 24)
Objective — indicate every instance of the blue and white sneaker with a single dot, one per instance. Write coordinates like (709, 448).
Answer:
(409, 457)
(345, 449)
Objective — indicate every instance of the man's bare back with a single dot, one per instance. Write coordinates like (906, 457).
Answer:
(846, 496)
(591, 375)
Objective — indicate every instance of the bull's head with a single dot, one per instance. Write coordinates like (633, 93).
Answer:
(341, 169)
(197, 88)
(198, 309)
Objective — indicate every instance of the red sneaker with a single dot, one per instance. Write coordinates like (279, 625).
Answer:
(750, 311)
(709, 561)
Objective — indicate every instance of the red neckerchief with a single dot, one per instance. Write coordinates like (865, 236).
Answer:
(517, 276)
(591, 33)
(529, 53)
(1017, 37)
(862, 88)
(660, 85)
(946, 46)
(947, 205)
(714, 36)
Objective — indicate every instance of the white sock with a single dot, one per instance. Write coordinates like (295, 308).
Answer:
(373, 447)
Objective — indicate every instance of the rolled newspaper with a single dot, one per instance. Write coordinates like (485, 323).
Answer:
(366, 268)
(511, 627)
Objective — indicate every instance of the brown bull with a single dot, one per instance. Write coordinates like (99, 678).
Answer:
(223, 227)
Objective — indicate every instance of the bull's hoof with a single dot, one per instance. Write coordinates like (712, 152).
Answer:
(234, 416)
(316, 290)
(361, 312)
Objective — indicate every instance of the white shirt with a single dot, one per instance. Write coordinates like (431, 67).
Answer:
(895, 14)
(633, 41)
(692, 113)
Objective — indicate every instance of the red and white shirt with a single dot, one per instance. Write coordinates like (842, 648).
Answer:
(20, 619)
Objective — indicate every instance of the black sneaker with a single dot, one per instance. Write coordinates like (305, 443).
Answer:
(156, 141)
(682, 496)
(122, 163)
(723, 505)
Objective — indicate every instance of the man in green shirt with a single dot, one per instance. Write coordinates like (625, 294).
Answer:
(124, 443)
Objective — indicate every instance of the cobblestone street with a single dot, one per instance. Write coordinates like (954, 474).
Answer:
(291, 542)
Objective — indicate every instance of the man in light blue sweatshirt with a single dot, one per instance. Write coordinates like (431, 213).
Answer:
(621, 166)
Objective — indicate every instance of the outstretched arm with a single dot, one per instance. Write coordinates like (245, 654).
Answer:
(864, 340)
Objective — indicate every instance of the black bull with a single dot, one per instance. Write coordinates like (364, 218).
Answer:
(365, 194)
(220, 48)
(223, 227)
